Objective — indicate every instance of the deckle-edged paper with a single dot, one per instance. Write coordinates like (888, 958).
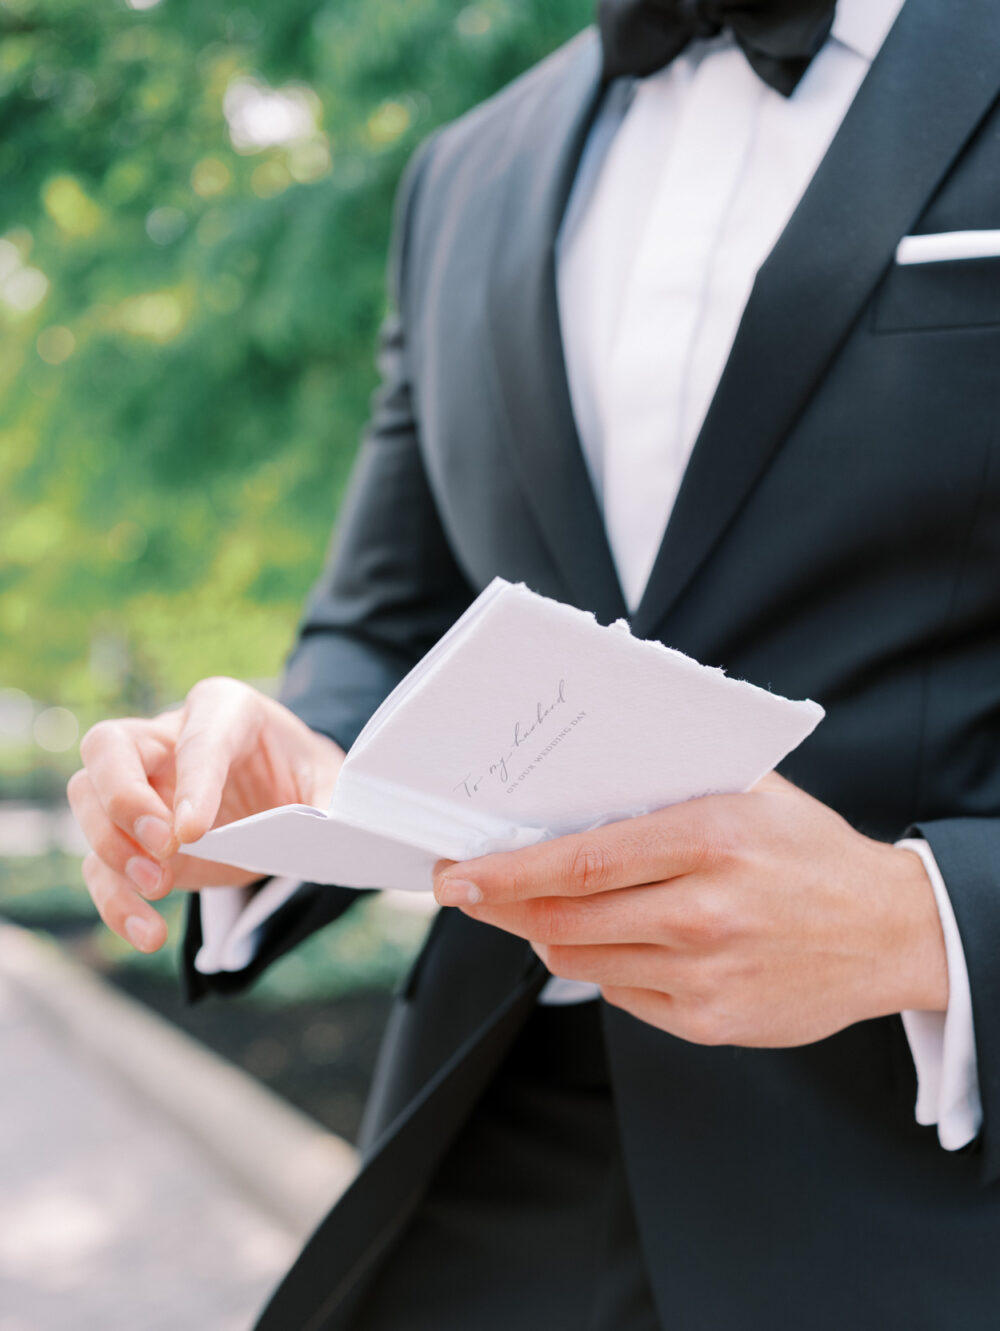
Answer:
(527, 721)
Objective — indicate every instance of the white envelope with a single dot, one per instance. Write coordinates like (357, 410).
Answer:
(528, 720)
(948, 245)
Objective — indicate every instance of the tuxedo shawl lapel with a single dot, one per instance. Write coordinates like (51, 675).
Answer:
(524, 334)
(928, 88)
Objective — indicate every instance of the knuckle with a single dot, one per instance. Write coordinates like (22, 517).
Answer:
(96, 738)
(107, 845)
(712, 848)
(113, 910)
(547, 920)
(709, 923)
(717, 839)
(714, 922)
(77, 787)
(518, 882)
(706, 1025)
(121, 806)
(592, 866)
(213, 687)
(563, 961)
(704, 983)
(203, 687)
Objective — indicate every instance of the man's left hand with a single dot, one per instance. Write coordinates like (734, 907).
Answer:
(758, 919)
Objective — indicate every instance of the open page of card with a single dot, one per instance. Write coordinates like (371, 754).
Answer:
(528, 720)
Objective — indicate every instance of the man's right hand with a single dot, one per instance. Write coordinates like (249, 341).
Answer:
(149, 787)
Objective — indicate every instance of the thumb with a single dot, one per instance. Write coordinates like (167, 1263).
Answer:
(214, 730)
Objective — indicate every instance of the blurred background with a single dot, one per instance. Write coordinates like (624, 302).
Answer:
(195, 205)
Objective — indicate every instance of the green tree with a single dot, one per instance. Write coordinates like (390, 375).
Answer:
(192, 236)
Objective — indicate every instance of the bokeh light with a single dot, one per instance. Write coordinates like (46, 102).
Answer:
(261, 117)
(17, 712)
(55, 344)
(24, 289)
(56, 729)
(165, 225)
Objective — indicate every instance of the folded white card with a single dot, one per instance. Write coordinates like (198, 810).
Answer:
(946, 246)
(528, 720)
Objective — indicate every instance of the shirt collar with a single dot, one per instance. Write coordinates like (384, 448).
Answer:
(863, 25)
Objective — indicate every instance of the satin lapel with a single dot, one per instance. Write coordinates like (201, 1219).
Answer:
(524, 330)
(929, 87)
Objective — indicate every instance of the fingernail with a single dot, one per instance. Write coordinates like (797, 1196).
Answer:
(457, 892)
(182, 813)
(153, 834)
(140, 933)
(146, 875)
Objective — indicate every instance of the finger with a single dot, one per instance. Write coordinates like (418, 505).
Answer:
(648, 1005)
(698, 1023)
(215, 729)
(629, 915)
(115, 761)
(121, 907)
(639, 850)
(641, 966)
(119, 852)
(190, 872)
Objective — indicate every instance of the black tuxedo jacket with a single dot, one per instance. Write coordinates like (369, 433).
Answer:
(836, 537)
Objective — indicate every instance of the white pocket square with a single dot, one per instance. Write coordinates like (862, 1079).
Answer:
(949, 245)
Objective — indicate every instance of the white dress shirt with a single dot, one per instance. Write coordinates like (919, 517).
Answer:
(686, 182)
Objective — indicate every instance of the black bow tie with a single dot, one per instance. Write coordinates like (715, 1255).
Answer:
(778, 37)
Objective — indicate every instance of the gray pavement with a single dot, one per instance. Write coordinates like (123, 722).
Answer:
(111, 1216)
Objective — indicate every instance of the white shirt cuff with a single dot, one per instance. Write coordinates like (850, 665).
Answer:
(231, 919)
(563, 993)
(943, 1044)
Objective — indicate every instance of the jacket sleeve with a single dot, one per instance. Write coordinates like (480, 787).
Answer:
(967, 851)
(390, 589)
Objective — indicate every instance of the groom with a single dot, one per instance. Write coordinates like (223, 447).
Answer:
(698, 321)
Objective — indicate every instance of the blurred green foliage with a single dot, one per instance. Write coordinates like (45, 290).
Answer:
(195, 207)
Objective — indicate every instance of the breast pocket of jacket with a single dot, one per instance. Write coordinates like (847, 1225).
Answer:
(941, 282)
